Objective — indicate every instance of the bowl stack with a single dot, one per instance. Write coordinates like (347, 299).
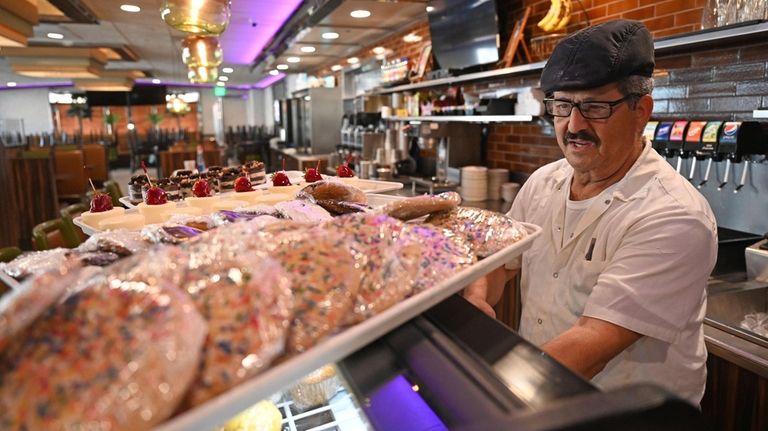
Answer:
(496, 177)
(474, 183)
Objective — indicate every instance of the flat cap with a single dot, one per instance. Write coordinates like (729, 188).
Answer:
(599, 55)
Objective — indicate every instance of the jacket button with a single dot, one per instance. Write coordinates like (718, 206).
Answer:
(540, 321)
(555, 275)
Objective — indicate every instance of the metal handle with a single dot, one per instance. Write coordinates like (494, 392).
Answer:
(706, 173)
(743, 179)
(727, 174)
(679, 164)
(693, 169)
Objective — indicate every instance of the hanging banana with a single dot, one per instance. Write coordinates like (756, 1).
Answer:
(552, 16)
(566, 16)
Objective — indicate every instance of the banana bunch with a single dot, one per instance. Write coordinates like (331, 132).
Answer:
(557, 16)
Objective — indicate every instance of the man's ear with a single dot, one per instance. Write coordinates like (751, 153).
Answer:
(643, 111)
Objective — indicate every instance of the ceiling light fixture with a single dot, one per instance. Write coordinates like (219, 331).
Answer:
(11, 84)
(330, 35)
(281, 67)
(274, 72)
(336, 67)
(130, 8)
(202, 51)
(223, 78)
(379, 50)
(156, 81)
(353, 60)
(206, 17)
(412, 38)
(360, 13)
(308, 49)
(202, 74)
(293, 59)
(227, 70)
(57, 36)
(430, 9)
(220, 84)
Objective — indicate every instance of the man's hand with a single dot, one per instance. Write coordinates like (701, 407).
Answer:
(588, 346)
(486, 292)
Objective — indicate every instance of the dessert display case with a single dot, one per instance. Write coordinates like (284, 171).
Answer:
(436, 372)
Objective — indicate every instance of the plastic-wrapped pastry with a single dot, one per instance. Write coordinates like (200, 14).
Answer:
(96, 258)
(248, 305)
(419, 206)
(317, 388)
(200, 222)
(389, 260)
(342, 207)
(121, 242)
(442, 254)
(333, 190)
(303, 211)
(169, 233)
(260, 210)
(35, 262)
(21, 307)
(486, 231)
(118, 355)
(325, 280)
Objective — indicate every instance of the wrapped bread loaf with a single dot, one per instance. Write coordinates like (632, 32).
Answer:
(486, 231)
(419, 206)
(332, 190)
(119, 355)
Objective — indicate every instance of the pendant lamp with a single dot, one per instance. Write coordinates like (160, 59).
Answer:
(202, 51)
(202, 74)
(206, 17)
(176, 105)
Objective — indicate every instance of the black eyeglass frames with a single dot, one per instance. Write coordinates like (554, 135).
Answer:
(592, 110)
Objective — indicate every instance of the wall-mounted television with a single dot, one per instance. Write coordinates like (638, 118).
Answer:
(464, 32)
(140, 95)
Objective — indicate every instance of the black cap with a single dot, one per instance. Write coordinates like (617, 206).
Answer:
(599, 55)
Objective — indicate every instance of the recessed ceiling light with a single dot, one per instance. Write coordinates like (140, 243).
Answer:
(11, 84)
(412, 38)
(227, 70)
(336, 67)
(281, 67)
(360, 13)
(379, 50)
(57, 36)
(130, 8)
(307, 49)
(353, 60)
(220, 84)
(430, 8)
(156, 81)
(293, 59)
(274, 72)
(330, 35)
(223, 78)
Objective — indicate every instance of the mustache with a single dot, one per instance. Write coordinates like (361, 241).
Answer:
(581, 135)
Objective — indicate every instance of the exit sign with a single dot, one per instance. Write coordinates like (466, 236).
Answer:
(219, 91)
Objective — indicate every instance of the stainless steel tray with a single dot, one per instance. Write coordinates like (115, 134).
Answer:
(219, 410)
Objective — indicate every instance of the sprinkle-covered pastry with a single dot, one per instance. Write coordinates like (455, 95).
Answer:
(486, 231)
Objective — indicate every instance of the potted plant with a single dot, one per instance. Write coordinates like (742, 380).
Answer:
(155, 118)
(79, 110)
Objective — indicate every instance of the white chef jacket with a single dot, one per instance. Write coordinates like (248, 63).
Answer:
(653, 241)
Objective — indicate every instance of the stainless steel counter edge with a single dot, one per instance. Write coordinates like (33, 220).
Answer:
(741, 352)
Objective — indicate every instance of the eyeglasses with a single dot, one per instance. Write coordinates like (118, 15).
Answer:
(593, 110)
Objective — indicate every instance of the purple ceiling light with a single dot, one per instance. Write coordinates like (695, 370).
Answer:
(269, 80)
(252, 26)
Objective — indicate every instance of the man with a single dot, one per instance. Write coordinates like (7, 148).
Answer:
(615, 286)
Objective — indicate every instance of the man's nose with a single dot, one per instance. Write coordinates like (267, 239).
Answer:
(577, 121)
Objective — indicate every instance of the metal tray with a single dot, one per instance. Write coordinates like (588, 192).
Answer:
(219, 410)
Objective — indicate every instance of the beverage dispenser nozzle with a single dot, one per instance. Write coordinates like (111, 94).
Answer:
(705, 146)
(675, 143)
(727, 174)
(744, 174)
(692, 145)
(706, 173)
(737, 140)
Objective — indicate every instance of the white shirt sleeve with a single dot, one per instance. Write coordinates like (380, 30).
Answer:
(657, 275)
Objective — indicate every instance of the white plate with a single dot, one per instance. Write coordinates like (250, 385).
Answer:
(219, 410)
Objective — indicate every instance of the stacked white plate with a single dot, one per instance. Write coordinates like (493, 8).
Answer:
(496, 177)
(474, 183)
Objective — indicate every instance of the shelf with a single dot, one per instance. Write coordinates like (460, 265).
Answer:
(466, 118)
(760, 113)
(704, 37)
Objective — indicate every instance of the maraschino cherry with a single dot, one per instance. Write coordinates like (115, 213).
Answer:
(313, 174)
(201, 189)
(243, 183)
(100, 202)
(155, 195)
(344, 171)
(280, 179)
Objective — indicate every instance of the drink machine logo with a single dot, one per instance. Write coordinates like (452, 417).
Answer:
(650, 130)
(663, 133)
(678, 131)
(695, 129)
(710, 131)
(730, 132)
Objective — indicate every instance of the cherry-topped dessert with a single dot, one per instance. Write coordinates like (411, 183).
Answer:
(156, 196)
(344, 171)
(313, 174)
(280, 179)
(243, 184)
(201, 189)
(100, 202)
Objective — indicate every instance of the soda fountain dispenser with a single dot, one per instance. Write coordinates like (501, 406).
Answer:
(709, 147)
(661, 139)
(649, 133)
(737, 141)
(692, 145)
(675, 142)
